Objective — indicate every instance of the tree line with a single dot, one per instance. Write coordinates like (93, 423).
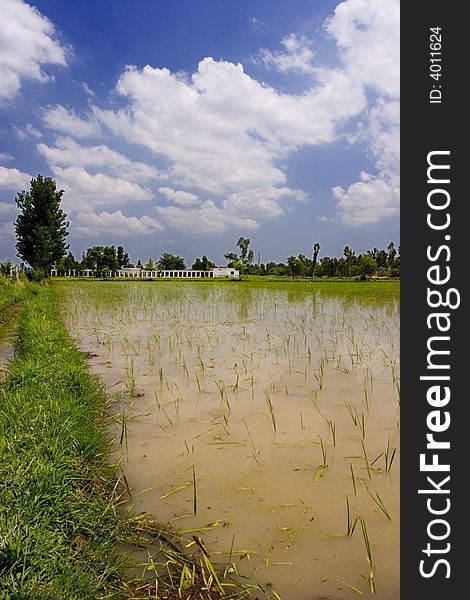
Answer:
(42, 228)
(105, 260)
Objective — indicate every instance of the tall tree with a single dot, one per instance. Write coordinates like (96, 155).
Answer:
(315, 251)
(122, 257)
(41, 226)
(349, 254)
(243, 244)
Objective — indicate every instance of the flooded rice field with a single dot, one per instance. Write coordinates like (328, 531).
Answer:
(263, 418)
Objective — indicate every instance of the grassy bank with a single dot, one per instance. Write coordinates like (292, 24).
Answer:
(58, 511)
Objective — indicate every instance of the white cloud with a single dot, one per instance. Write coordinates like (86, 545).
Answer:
(87, 89)
(7, 229)
(26, 43)
(13, 179)
(261, 202)
(85, 191)
(179, 196)
(92, 224)
(5, 157)
(67, 152)
(297, 57)
(224, 132)
(65, 120)
(367, 201)
(7, 207)
(206, 218)
(27, 131)
(367, 34)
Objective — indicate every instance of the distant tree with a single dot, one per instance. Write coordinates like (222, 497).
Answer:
(240, 266)
(250, 257)
(349, 255)
(93, 258)
(67, 263)
(328, 267)
(122, 258)
(149, 265)
(294, 266)
(139, 264)
(231, 257)
(243, 244)
(41, 226)
(98, 257)
(392, 252)
(170, 261)
(203, 264)
(315, 252)
(305, 265)
(110, 258)
(367, 266)
(278, 269)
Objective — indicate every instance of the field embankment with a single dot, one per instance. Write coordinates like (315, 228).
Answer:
(58, 510)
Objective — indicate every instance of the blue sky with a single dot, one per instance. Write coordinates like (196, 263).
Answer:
(179, 126)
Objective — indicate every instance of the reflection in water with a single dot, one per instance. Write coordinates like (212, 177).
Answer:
(285, 403)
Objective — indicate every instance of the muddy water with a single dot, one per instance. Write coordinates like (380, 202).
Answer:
(281, 401)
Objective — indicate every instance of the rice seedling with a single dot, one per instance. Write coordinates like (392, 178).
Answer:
(370, 580)
(389, 456)
(362, 425)
(194, 491)
(351, 523)
(271, 409)
(378, 500)
(324, 462)
(353, 478)
(332, 428)
(352, 413)
(366, 459)
(130, 378)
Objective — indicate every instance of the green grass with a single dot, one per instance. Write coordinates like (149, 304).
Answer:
(58, 514)
(10, 293)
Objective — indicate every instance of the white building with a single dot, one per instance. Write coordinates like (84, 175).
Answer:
(225, 272)
(132, 272)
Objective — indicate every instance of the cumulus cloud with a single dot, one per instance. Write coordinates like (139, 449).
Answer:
(297, 56)
(86, 191)
(224, 132)
(368, 200)
(366, 32)
(65, 120)
(27, 42)
(179, 196)
(261, 202)
(92, 224)
(13, 179)
(206, 218)
(67, 153)
(7, 207)
(27, 131)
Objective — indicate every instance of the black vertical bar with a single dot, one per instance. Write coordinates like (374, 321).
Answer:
(434, 74)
